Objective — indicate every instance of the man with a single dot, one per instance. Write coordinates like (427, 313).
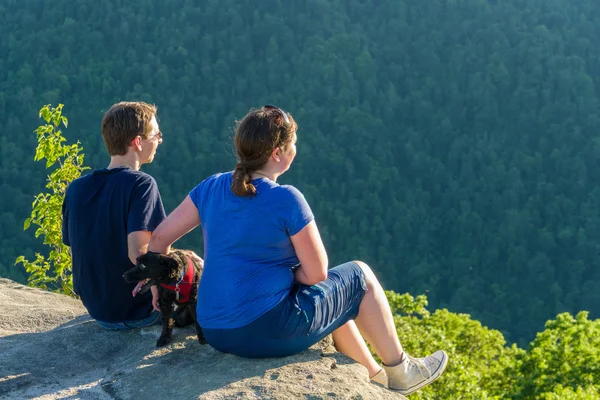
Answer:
(109, 215)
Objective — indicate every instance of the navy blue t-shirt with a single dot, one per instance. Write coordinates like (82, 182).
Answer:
(99, 211)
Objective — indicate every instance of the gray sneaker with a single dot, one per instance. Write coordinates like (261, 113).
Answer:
(380, 378)
(414, 373)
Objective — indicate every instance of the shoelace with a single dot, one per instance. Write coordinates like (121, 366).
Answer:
(419, 363)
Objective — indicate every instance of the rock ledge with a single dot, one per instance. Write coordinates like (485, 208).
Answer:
(51, 349)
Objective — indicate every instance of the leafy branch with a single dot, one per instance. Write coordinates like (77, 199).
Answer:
(53, 272)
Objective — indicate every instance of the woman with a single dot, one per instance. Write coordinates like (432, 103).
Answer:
(266, 290)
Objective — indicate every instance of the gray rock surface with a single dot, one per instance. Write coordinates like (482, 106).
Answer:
(51, 349)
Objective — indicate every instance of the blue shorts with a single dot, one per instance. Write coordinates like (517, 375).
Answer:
(300, 320)
(152, 319)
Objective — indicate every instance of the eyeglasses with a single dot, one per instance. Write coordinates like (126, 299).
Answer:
(283, 113)
(158, 136)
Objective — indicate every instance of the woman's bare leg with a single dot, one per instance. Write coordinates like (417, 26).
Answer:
(348, 340)
(375, 321)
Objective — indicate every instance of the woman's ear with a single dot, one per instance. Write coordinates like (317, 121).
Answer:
(275, 154)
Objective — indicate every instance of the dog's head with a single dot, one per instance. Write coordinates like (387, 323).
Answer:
(152, 269)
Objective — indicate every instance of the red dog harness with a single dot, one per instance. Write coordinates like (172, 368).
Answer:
(183, 288)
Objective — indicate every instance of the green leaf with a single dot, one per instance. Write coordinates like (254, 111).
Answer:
(56, 119)
(27, 224)
(45, 113)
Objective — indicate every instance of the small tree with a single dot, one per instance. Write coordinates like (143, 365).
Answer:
(480, 366)
(53, 272)
(562, 361)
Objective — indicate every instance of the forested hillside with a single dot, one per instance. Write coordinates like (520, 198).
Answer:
(454, 145)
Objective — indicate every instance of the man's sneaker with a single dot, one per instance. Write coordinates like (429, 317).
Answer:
(380, 378)
(414, 373)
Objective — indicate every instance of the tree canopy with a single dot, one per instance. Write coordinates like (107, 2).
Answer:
(450, 144)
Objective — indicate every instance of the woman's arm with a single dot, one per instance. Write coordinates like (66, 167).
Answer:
(311, 254)
(182, 220)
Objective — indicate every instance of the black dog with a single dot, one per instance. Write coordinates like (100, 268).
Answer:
(177, 276)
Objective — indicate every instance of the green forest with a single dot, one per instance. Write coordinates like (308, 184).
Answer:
(453, 145)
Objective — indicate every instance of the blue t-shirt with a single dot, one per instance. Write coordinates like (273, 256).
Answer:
(249, 259)
(99, 211)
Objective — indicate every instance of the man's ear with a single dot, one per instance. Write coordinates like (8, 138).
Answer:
(137, 143)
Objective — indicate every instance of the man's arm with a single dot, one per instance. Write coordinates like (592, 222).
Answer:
(145, 214)
(137, 244)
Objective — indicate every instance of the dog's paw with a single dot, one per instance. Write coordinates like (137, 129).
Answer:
(163, 341)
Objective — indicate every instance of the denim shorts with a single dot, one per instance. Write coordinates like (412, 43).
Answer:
(152, 319)
(305, 316)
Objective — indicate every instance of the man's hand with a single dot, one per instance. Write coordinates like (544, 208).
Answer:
(154, 291)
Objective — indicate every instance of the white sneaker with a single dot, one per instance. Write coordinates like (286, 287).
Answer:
(414, 373)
